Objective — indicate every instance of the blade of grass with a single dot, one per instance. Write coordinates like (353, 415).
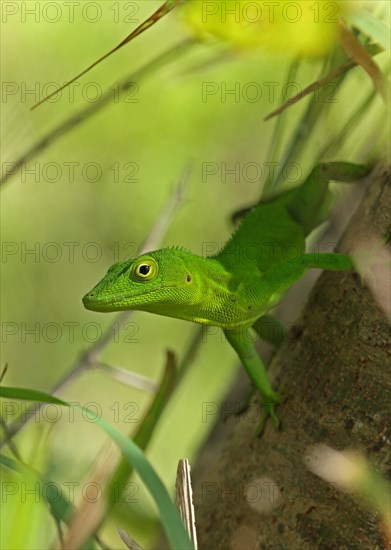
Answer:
(335, 73)
(372, 26)
(91, 515)
(173, 374)
(310, 118)
(154, 18)
(275, 142)
(148, 424)
(28, 395)
(184, 498)
(3, 372)
(91, 355)
(127, 377)
(171, 378)
(127, 540)
(107, 98)
(60, 508)
(173, 526)
(361, 57)
(89, 512)
(333, 146)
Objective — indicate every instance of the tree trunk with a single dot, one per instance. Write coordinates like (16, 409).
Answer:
(257, 492)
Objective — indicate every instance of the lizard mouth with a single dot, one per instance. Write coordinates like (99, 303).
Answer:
(117, 302)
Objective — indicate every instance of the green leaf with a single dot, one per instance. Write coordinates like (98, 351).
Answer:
(269, 24)
(29, 395)
(9, 463)
(60, 506)
(171, 520)
(372, 26)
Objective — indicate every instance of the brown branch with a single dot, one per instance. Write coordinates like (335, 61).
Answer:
(338, 393)
(320, 83)
(361, 57)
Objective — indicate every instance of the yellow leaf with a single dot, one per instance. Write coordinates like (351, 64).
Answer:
(304, 28)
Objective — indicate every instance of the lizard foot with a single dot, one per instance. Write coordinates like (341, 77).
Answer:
(269, 410)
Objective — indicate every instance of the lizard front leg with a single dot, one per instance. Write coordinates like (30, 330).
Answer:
(242, 340)
(273, 283)
(270, 329)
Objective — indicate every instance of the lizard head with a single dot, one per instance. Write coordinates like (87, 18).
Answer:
(158, 282)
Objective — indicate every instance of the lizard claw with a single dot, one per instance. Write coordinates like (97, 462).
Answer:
(269, 406)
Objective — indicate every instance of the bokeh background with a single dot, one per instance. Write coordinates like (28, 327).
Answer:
(136, 152)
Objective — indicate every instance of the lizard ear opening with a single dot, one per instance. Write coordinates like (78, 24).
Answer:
(188, 278)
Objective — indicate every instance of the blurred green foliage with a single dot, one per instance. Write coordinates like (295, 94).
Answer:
(183, 114)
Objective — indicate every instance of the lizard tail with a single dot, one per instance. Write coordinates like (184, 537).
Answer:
(311, 202)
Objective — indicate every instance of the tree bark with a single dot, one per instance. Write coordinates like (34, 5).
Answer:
(257, 492)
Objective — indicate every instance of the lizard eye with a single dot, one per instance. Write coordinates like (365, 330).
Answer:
(145, 269)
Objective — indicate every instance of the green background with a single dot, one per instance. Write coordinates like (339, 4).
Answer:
(170, 127)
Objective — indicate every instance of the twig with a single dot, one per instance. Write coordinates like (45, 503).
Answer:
(275, 142)
(11, 444)
(89, 511)
(87, 112)
(3, 372)
(338, 71)
(184, 499)
(154, 18)
(310, 118)
(334, 146)
(171, 377)
(312, 87)
(146, 428)
(126, 377)
(361, 57)
(127, 540)
(91, 355)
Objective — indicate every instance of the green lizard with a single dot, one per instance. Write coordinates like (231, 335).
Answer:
(236, 288)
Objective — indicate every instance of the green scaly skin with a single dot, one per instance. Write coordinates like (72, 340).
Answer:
(236, 288)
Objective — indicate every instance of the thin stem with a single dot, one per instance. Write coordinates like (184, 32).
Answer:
(172, 376)
(371, 50)
(275, 142)
(331, 148)
(91, 355)
(83, 115)
(309, 120)
(154, 18)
